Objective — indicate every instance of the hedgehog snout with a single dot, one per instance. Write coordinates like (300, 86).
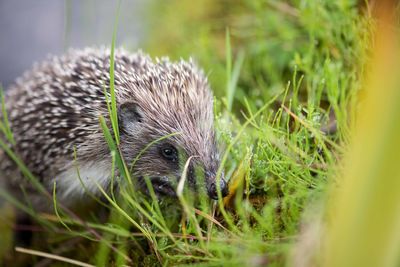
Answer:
(212, 188)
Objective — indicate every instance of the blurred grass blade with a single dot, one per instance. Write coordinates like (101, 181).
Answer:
(52, 256)
(113, 115)
(113, 147)
(232, 77)
(56, 209)
(5, 125)
(364, 215)
(228, 56)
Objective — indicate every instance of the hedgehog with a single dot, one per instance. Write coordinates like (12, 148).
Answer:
(54, 110)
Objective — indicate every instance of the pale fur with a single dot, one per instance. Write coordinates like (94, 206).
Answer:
(91, 175)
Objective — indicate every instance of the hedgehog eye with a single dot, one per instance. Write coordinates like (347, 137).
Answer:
(169, 153)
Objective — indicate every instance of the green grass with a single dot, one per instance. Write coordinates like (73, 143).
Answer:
(282, 72)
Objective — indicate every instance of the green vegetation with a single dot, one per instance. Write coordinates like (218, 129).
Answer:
(294, 73)
(287, 77)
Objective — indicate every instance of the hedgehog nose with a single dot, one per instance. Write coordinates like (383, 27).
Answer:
(213, 190)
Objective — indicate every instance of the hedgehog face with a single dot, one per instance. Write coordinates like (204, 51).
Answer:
(169, 99)
(163, 160)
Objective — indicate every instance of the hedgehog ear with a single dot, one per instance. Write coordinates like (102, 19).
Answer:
(129, 115)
